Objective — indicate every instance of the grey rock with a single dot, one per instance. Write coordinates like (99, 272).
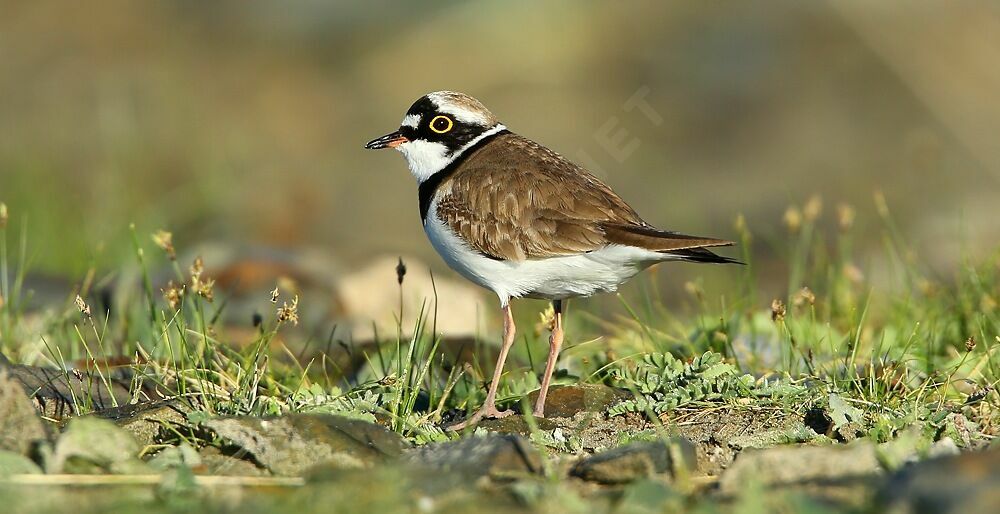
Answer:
(215, 462)
(20, 427)
(804, 465)
(945, 447)
(584, 403)
(968, 483)
(181, 456)
(637, 461)
(289, 445)
(495, 456)
(565, 401)
(91, 445)
(515, 425)
(148, 422)
(795, 433)
(849, 432)
(16, 464)
(58, 394)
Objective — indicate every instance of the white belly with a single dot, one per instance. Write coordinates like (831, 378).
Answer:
(552, 278)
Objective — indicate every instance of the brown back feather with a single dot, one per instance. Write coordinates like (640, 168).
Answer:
(514, 199)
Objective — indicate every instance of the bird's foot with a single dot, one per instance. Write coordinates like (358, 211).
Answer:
(490, 412)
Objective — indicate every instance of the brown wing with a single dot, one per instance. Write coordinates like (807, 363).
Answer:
(651, 238)
(514, 199)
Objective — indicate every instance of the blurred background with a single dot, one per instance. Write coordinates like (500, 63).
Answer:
(240, 124)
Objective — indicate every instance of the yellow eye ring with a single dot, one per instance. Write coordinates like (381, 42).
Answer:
(434, 123)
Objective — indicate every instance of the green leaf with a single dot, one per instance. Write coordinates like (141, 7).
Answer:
(842, 412)
(718, 370)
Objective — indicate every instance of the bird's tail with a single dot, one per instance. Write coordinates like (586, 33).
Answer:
(704, 256)
(674, 244)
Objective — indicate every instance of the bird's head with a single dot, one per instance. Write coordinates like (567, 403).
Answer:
(438, 128)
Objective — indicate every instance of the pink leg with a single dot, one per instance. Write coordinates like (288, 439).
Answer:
(555, 343)
(489, 409)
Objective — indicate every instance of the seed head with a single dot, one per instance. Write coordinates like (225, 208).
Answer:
(174, 295)
(805, 296)
(82, 306)
(694, 289)
(197, 267)
(845, 217)
(204, 287)
(740, 224)
(289, 312)
(400, 271)
(813, 209)
(970, 344)
(274, 295)
(546, 320)
(853, 273)
(793, 219)
(881, 205)
(777, 310)
(3, 215)
(165, 240)
(741, 227)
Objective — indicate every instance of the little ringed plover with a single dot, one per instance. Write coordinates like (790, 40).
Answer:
(522, 221)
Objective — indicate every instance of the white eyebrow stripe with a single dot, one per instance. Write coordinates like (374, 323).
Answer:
(465, 115)
(411, 120)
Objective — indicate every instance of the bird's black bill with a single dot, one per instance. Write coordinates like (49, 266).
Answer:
(387, 141)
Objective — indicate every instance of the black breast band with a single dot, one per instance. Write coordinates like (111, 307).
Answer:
(430, 186)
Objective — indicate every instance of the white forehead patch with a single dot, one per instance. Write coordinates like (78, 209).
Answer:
(411, 120)
(458, 112)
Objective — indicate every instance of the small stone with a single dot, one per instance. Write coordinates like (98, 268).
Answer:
(802, 465)
(637, 461)
(181, 456)
(968, 483)
(946, 447)
(565, 401)
(496, 456)
(12, 463)
(516, 425)
(592, 400)
(147, 422)
(20, 427)
(289, 445)
(54, 391)
(794, 433)
(215, 462)
(92, 446)
(849, 432)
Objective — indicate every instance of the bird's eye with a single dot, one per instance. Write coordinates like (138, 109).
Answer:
(441, 124)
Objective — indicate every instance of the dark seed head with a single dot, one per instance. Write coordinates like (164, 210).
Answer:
(400, 271)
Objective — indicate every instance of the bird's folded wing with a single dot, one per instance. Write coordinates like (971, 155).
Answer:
(514, 199)
(650, 238)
